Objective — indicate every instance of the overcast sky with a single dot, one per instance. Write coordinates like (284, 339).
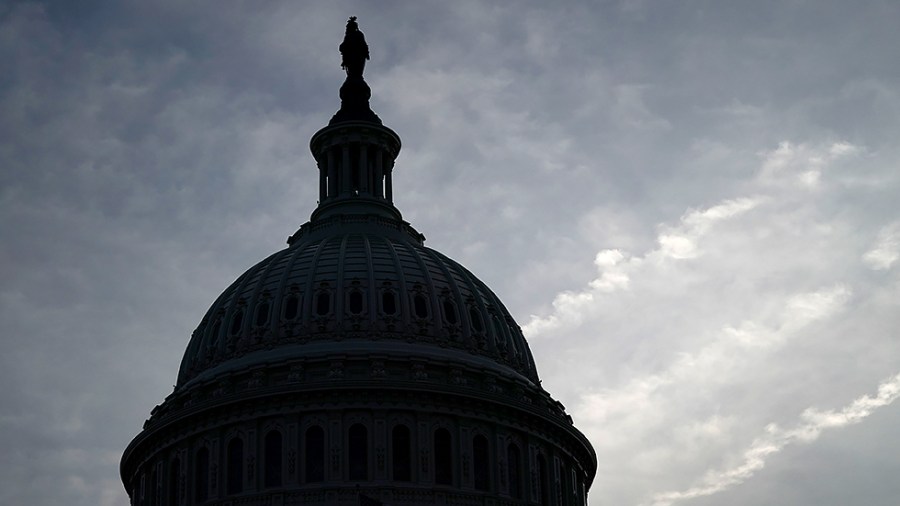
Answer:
(690, 207)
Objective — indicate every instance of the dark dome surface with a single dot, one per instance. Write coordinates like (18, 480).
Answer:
(356, 282)
(358, 364)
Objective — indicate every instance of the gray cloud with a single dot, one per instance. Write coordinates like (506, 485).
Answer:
(690, 207)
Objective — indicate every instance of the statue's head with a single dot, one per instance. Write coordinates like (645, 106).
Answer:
(351, 25)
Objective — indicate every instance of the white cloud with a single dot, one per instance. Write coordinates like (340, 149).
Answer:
(610, 277)
(701, 339)
(679, 243)
(886, 250)
(724, 360)
(801, 165)
(775, 439)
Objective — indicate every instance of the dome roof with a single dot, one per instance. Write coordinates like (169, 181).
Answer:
(358, 363)
(356, 279)
(359, 282)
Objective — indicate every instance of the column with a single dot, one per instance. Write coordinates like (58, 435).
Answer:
(379, 174)
(323, 182)
(388, 185)
(363, 183)
(345, 170)
(332, 174)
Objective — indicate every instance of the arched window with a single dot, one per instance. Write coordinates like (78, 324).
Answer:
(355, 302)
(262, 314)
(323, 303)
(358, 452)
(563, 485)
(214, 334)
(135, 492)
(154, 487)
(544, 483)
(420, 306)
(499, 336)
(235, 469)
(315, 454)
(475, 316)
(514, 354)
(482, 463)
(401, 453)
(579, 489)
(237, 320)
(388, 303)
(201, 475)
(174, 496)
(514, 465)
(443, 457)
(450, 312)
(291, 307)
(272, 477)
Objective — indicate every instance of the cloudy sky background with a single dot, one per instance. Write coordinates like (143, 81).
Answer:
(690, 207)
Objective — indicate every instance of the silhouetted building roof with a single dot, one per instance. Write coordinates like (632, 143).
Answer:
(358, 363)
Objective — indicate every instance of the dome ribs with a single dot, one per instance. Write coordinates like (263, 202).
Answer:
(262, 286)
(323, 278)
(453, 287)
(339, 288)
(426, 282)
(402, 288)
(282, 289)
(372, 291)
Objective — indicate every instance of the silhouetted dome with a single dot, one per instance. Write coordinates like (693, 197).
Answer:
(358, 364)
(356, 284)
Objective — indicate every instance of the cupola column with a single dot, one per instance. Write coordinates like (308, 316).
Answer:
(364, 170)
(331, 170)
(388, 185)
(344, 180)
(323, 182)
(355, 160)
(379, 173)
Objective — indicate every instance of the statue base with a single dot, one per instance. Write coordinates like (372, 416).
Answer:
(355, 94)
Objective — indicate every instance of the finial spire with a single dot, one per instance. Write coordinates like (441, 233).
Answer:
(355, 153)
(355, 93)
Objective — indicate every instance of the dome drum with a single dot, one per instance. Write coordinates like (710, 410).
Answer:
(340, 395)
